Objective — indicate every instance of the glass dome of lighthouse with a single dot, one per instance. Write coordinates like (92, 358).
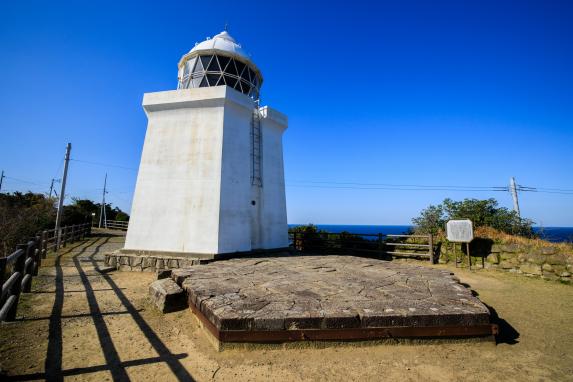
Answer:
(220, 61)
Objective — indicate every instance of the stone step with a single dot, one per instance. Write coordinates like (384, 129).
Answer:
(146, 263)
(181, 274)
(167, 296)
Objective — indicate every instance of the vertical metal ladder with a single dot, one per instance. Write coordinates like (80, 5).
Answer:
(256, 149)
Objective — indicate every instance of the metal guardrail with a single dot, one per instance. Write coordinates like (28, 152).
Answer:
(26, 261)
(394, 245)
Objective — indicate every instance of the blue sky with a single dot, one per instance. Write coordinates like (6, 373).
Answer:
(464, 93)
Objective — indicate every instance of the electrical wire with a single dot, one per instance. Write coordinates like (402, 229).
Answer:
(398, 185)
(103, 164)
(394, 188)
(24, 181)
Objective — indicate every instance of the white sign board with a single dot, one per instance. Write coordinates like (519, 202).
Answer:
(460, 231)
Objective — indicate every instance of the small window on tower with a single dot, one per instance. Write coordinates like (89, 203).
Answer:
(214, 65)
(223, 61)
(212, 79)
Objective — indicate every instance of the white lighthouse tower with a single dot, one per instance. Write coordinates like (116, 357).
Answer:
(211, 178)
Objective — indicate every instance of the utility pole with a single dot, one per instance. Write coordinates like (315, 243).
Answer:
(102, 214)
(513, 190)
(62, 195)
(1, 179)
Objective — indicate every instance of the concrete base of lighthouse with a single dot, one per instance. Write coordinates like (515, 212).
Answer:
(194, 194)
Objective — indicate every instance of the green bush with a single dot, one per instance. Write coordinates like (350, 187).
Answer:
(483, 213)
(308, 237)
(23, 215)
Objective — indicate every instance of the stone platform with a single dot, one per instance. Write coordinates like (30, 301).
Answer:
(291, 298)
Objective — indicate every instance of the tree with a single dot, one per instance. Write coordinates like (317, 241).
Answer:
(431, 220)
(483, 213)
(22, 216)
(81, 211)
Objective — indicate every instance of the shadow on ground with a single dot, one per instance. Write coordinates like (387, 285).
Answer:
(507, 333)
(85, 253)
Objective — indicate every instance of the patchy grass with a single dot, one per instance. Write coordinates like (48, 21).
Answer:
(499, 237)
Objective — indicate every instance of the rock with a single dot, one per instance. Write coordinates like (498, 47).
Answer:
(536, 259)
(172, 263)
(508, 264)
(507, 255)
(565, 274)
(565, 280)
(167, 295)
(135, 261)
(496, 248)
(550, 276)
(112, 262)
(556, 259)
(546, 268)
(532, 269)
(548, 250)
(493, 258)
(183, 263)
(511, 248)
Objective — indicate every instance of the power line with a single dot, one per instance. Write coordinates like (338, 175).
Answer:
(396, 188)
(421, 187)
(104, 164)
(25, 181)
(396, 185)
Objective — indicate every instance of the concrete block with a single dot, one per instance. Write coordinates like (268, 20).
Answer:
(167, 296)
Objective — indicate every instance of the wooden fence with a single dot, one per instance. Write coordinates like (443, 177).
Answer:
(26, 261)
(419, 246)
(114, 224)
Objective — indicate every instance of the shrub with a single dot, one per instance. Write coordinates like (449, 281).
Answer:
(483, 213)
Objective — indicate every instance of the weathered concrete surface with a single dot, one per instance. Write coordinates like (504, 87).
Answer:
(327, 292)
(194, 192)
(167, 295)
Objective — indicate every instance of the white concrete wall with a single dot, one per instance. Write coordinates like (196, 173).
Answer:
(273, 216)
(176, 201)
(193, 192)
(235, 212)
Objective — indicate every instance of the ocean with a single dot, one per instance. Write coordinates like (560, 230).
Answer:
(553, 234)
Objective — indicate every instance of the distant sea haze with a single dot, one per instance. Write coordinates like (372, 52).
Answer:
(553, 234)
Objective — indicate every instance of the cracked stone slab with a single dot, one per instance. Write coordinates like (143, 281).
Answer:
(327, 292)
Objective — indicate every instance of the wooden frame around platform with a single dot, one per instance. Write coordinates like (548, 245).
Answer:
(270, 336)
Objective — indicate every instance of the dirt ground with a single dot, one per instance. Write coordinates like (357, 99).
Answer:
(84, 322)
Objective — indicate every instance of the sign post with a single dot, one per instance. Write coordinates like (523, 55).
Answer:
(460, 231)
